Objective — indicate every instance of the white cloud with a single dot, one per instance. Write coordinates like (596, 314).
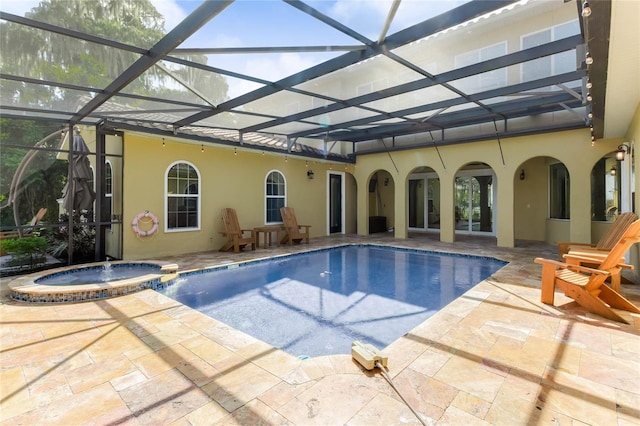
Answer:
(349, 11)
(266, 67)
(368, 16)
(276, 68)
(172, 12)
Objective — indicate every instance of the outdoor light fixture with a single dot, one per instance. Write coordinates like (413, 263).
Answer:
(613, 171)
(310, 174)
(586, 9)
(589, 97)
(622, 150)
(589, 84)
(588, 59)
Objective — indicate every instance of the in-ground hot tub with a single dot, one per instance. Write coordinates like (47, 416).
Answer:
(91, 281)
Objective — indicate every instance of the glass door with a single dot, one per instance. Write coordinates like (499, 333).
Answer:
(335, 203)
(474, 209)
(424, 202)
(416, 204)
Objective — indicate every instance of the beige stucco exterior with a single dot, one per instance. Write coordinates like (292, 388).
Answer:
(228, 178)
(236, 178)
(521, 204)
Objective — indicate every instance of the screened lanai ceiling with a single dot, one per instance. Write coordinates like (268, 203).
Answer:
(321, 78)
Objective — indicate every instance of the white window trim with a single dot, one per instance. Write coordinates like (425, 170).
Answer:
(166, 197)
(553, 38)
(342, 201)
(502, 71)
(266, 176)
(109, 194)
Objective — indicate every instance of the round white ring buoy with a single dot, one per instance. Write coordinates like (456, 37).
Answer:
(145, 217)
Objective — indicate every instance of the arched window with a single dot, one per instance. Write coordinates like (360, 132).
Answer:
(182, 192)
(275, 193)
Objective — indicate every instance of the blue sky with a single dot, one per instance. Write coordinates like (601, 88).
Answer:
(262, 23)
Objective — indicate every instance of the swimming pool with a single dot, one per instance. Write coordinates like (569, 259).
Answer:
(318, 303)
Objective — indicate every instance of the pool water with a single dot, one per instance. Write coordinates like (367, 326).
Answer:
(98, 274)
(318, 303)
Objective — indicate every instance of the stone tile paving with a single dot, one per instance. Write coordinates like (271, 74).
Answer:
(494, 356)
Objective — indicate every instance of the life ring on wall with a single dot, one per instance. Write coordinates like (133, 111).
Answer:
(145, 217)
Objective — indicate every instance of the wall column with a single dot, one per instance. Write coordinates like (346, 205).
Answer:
(580, 202)
(362, 205)
(400, 212)
(505, 211)
(447, 208)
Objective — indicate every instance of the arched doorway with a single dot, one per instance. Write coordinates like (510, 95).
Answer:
(475, 195)
(381, 201)
(424, 200)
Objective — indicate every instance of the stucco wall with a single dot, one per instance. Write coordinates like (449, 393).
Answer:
(521, 205)
(227, 180)
(632, 138)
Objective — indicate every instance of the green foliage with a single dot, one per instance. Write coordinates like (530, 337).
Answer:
(84, 239)
(25, 251)
(56, 57)
(44, 178)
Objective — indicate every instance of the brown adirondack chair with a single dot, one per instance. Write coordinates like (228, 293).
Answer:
(608, 239)
(592, 255)
(587, 285)
(237, 239)
(295, 233)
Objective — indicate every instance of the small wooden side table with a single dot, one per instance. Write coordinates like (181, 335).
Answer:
(267, 230)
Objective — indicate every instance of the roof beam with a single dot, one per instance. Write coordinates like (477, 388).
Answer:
(456, 16)
(329, 21)
(70, 33)
(504, 91)
(192, 23)
(244, 50)
(478, 68)
(512, 109)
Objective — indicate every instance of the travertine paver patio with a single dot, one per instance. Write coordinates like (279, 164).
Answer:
(494, 356)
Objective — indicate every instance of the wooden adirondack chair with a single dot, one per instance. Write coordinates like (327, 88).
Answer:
(587, 285)
(592, 255)
(236, 235)
(295, 232)
(608, 239)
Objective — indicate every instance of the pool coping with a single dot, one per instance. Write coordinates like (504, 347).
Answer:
(241, 263)
(26, 289)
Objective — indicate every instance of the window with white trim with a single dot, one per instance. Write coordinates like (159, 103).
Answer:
(549, 65)
(108, 194)
(485, 81)
(182, 189)
(275, 196)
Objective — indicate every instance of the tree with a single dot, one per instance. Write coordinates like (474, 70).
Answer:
(59, 58)
(44, 177)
